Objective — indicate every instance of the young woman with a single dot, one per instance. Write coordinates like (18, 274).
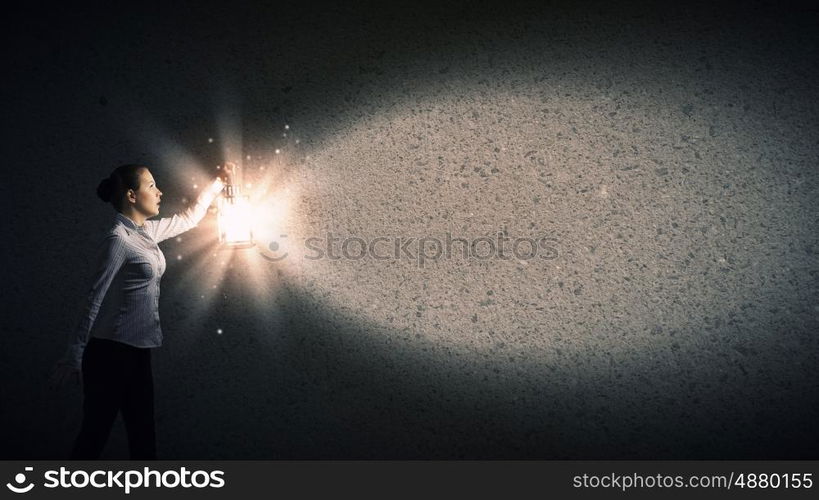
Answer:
(111, 346)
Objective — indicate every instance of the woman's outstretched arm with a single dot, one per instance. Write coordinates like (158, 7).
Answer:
(169, 227)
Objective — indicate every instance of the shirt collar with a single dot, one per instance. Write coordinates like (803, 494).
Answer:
(128, 222)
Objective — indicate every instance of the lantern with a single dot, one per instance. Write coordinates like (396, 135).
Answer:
(235, 217)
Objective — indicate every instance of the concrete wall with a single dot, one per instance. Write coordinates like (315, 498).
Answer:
(667, 154)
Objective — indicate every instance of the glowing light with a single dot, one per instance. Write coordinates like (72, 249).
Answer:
(195, 186)
(219, 331)
(278, 151)
(210, 139)
(178, 257)
(235, 221)
(287, 127)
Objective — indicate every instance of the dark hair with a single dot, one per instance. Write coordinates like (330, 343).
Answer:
(113, 188)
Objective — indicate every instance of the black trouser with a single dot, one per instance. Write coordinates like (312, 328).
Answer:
(116, 377)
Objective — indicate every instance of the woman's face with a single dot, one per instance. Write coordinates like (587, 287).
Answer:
(146, 198)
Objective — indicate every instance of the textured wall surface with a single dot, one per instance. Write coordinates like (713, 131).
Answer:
(663, 160)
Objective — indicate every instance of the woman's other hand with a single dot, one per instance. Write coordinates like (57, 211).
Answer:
(64, 374)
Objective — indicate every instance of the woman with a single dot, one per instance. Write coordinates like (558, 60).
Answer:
(112, 344)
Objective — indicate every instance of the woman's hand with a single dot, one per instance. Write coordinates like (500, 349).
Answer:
(64, 374)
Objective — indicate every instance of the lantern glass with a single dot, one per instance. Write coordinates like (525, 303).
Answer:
(235, 222)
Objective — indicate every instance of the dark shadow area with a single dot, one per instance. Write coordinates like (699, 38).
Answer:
(324, 64)
(292, 377)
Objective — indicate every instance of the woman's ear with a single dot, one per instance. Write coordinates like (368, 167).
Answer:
(131, 195)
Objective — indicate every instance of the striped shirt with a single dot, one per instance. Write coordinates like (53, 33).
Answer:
(123, 303)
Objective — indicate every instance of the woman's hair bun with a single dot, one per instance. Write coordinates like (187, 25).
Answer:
(112, 189)
(105, 190)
